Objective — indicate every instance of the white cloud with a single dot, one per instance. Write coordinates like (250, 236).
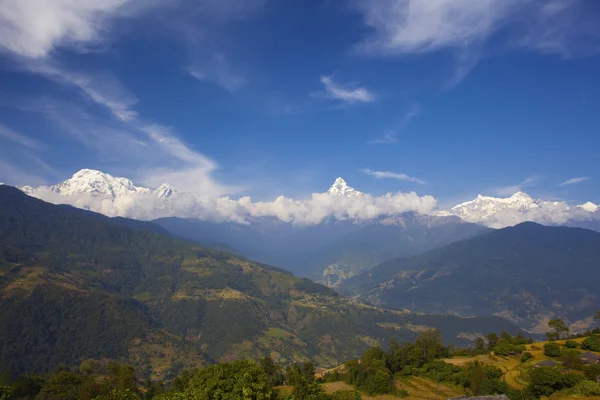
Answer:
(573, 181)
(320, 207)
(345, 93)
(392, 175)
(414, 26)
(218, 70)
(564, 27)
(152, 150)
(510, 190)
(34, 28)
(101, 88)
(9, 134)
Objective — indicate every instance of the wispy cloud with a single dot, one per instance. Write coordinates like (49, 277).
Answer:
(574, 181)
(510, 190)
(34, 29)
(9, 134)
(564, 27)
(392, 135)
(392, 175)
(102, 88)
(348, 94)
(218, 70)
(126, 132)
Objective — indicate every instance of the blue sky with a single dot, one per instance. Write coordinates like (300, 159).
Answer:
(449, 98)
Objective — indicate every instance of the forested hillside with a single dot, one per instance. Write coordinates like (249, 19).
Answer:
(529, 274)
(75, 286)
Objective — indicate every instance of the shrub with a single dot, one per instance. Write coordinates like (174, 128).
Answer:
(346, 395)
(571, 344)
(571, 359)
(571, 379)
(552, 350)
(407, 370)
(544, 381)
(508, 349)
(6, 393)
(591, 371)
(592, 343)
(526, 357)
(587, 388)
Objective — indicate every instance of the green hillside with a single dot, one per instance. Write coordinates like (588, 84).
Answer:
(528, 273)
(74, 286)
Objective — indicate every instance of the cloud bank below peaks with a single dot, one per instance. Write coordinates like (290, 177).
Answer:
(99, 192)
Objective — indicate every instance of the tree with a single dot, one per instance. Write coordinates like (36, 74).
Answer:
(119, 395)
(480, 345)
(526, 357)
(560, 328)
(552, 350)
(272, 370)
(597, 316)
(492, 341)
(592, 343)
(430, 345)
(6, 392)
(302, 378)
(571, 344)
(544, 381)
(240, 379)
(571, 359)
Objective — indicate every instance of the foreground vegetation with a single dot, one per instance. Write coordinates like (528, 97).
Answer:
(422, 369)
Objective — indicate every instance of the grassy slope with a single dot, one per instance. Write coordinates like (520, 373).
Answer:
(514, 370)
(425, 388)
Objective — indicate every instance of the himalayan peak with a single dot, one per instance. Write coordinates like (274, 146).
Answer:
(341, 188)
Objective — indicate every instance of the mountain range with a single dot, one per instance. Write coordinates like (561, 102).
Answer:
(528, 274)
(113, 196)
(76, 285)
(330, 251)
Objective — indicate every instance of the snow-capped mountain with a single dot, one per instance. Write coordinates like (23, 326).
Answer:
(341, 188)
(94, 183)
(116, 196)
(501, 212)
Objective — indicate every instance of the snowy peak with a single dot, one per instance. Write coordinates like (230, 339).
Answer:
(341, 188)
(485, 208)
(589, 207)
(96, 183)
(165, 191)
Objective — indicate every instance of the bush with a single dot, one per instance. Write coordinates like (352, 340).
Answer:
(571, 359)
(6, 393)
(346, 395)
(571, 379)
(592, 343)
(591, 371)
(571, 344)
(407, 370)
(508, 349)
(587, 388)
(544, 381)
(526, 357)
(552, 350)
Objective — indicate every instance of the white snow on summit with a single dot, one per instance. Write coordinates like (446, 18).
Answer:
(341, 188)
(113, 196)
(520, 207)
